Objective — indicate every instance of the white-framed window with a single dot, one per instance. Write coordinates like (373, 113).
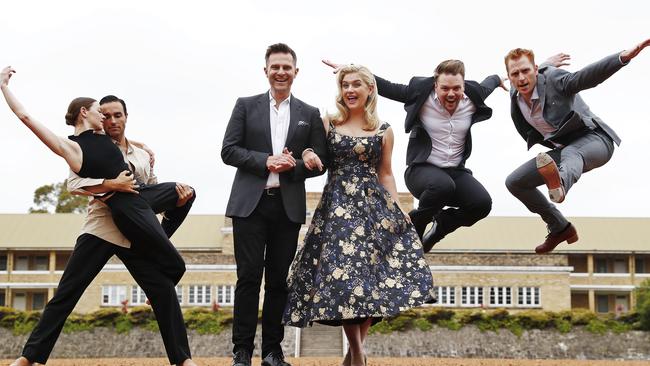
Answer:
(138, 297)
(225, 294)
(113, 295)
(199, 295)
(528, 297)
(500, 296)
(471, 296)
(179, 293)
(446, 295)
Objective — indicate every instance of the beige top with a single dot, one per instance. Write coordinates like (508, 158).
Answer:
(98, 220)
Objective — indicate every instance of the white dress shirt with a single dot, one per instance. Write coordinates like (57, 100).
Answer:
(280, 117)
(447, 132)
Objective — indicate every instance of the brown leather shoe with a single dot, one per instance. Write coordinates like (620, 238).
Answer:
(551, 174)
(552, 240)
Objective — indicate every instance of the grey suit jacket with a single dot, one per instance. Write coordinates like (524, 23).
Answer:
(247, 145)
(562, 106)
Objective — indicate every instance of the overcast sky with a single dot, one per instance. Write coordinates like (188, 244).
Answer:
(181, 65)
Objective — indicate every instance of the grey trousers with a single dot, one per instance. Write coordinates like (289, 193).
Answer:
(581, 155)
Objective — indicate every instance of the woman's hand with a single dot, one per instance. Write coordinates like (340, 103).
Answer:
(5, 75)
(311, 160)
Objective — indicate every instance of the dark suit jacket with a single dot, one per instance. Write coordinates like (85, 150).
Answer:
(562, 106)
(247, 145)
(416, 93)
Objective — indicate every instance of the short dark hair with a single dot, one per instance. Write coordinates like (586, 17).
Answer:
(452, 67)
(280, 48)
(111, 99)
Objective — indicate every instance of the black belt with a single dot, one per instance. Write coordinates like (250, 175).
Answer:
(273, 191)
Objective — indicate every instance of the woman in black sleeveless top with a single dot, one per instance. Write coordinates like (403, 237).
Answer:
(92, 154)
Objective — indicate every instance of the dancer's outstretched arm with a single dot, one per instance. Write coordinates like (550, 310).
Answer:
(65, 148)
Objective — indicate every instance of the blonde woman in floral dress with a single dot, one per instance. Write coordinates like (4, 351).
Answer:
(361, 259)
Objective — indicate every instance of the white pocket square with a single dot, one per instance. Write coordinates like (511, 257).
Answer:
(302, 123)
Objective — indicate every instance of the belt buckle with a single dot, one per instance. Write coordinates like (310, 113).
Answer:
(270, 191)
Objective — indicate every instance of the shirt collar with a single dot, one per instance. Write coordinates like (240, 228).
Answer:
(535, 95)
(272, 100)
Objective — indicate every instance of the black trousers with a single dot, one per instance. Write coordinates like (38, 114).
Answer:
(135, 216)
(265, 243)
(88, 258)
(466, 199)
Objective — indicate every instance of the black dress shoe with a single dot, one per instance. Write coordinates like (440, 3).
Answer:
(241, 358)
(419, 222)
(274, 359)
(431, 237)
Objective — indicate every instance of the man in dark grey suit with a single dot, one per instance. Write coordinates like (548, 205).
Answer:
(275, 141)
(547, 109)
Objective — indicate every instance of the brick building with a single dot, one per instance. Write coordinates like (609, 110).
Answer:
(489, 265)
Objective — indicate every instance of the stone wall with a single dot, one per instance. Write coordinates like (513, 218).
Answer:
(467, 342)
(105, 342)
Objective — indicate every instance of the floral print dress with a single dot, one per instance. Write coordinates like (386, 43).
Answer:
(361, 258)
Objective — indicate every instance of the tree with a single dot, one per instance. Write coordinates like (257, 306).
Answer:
(55, 197)
(643, 304)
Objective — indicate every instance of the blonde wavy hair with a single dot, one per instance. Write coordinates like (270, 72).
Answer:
(371, 117)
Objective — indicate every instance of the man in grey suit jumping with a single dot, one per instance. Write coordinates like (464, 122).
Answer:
(547, 109)
(275, 141)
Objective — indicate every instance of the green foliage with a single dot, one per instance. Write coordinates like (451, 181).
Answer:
(514, 327)
(618, 327)
(205, 321)
(55, 197)
(422, 324)
(534, 319)
(152, 326)
(21, 322)
(382, 328)
(596, 326)
(433, 315)
(77, 323)
(581, 316)
(104, 317)
(563, 325)
(643, 304)
(141, 315)
(451, 324)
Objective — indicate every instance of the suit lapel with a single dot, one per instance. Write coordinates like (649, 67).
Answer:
(541, 90)
(425, 88)
(295, 108)
(263, 104)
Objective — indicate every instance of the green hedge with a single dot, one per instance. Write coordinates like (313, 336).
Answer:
(200, 319)
(494, 320)
(206, 321)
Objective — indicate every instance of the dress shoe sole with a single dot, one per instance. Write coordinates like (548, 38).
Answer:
(551, 175)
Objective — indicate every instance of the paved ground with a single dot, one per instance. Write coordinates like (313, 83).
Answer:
(331, 361)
